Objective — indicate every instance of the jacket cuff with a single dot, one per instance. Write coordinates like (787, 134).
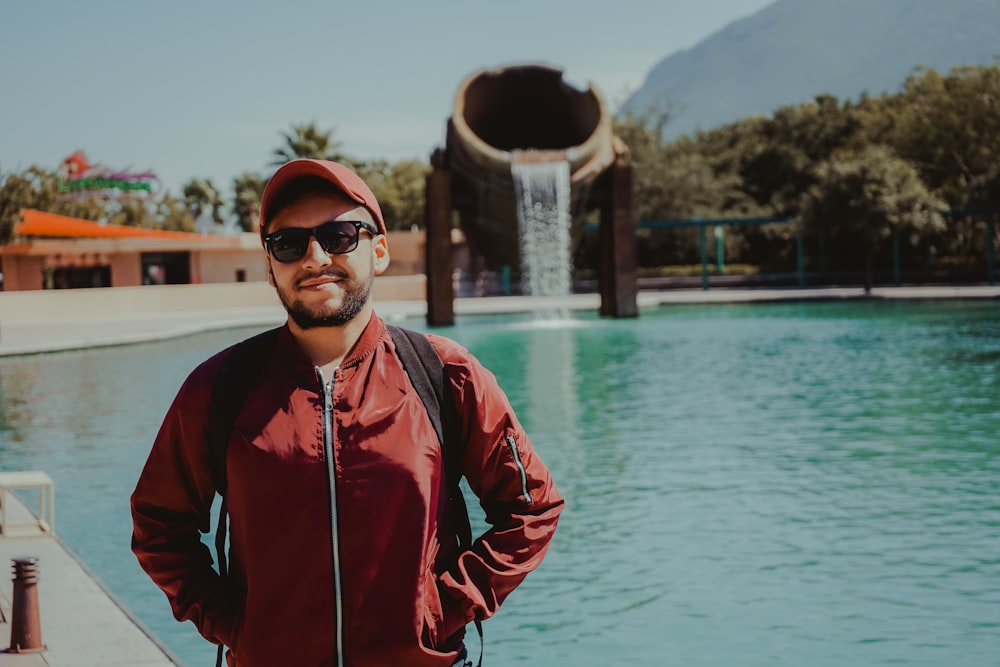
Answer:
(456, 611)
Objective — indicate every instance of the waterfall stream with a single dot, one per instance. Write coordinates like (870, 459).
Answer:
(543, 200)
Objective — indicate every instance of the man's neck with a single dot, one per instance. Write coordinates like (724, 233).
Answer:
(327, 347)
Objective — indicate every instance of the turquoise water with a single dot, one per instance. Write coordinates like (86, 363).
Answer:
(810, 484)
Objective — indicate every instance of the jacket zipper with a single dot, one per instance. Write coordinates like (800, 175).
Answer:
(520, 467)
(331, 471)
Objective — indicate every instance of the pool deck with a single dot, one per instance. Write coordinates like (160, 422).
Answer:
(82, 624)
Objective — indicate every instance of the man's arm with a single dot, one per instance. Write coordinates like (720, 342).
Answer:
(514, 488)
(171, 505)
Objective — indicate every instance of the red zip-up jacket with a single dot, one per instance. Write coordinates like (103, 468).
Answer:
(343, 552)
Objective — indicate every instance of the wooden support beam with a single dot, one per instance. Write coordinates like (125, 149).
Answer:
(437, 245)
(618, 282)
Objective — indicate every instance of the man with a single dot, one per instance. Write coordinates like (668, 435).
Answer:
(342, 546)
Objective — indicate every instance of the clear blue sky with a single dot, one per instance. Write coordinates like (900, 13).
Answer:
(203, 88)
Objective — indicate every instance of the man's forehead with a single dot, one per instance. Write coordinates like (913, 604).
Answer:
(322, 206)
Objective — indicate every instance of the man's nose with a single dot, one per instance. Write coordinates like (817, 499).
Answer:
(315, 256)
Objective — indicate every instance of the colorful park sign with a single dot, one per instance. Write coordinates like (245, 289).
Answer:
(79, 178)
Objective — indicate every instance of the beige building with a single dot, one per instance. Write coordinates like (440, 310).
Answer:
(53, 251)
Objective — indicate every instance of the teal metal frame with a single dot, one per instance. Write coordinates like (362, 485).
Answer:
(719, 223)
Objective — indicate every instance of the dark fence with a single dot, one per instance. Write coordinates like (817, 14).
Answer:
(782, 253)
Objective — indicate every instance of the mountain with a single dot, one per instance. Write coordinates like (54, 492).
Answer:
(793, 50)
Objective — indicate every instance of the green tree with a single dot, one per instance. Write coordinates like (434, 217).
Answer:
(948, 126)
(173, 214)
(17, 192)
(400, 190)
(133, 213)
(201, 197)
(248, 188)
(867, 197)
(37, 188)
(778, 158)
(308, 141)
(643, 137)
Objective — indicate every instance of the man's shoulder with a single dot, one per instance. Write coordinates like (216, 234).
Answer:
(206, 373)
(453, 355)
(450, 351)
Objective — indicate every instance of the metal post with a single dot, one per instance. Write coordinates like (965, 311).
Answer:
(702, 246)
(800, 259)
(26, 625)
(990, 248)
(822, 254)
(437, 244)
(720, 250)
(895, 257)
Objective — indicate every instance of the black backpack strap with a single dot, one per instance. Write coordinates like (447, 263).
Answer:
(426, 371)
(239, 372)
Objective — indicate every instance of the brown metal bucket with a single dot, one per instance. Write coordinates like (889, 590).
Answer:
(522, 113)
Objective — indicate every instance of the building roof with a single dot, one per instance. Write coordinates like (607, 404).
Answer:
(39, 223)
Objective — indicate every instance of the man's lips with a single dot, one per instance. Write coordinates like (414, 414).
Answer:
(318, 282)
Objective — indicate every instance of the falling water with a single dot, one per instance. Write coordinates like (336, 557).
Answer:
(542, 191)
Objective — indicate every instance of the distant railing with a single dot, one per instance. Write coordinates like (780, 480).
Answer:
(719, 223)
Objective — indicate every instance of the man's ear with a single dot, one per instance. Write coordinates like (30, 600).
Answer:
(380, 249)
(270, 273)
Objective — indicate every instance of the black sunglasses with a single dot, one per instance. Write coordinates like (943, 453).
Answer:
(336, 237)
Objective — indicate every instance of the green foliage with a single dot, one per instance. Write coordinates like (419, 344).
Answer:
(868, 196)
(38, 189)
(308, 141)
(863, 168)
(949, 128)
(201, 197)
(17, 191)
(173, 215)
(399, 189)
(248, 189)
(132, 213)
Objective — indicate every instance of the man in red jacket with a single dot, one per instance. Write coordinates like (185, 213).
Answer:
(343, 548)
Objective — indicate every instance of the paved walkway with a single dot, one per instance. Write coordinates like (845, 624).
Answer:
(82, 625)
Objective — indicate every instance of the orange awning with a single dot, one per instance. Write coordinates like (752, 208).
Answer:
(39, 223)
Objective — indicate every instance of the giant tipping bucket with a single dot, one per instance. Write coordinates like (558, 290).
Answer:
(527, 156)
(521, 114)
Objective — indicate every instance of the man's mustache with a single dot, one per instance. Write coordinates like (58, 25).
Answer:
(329, 273)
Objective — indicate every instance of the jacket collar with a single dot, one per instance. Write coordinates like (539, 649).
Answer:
(367, 343)
(363, 347)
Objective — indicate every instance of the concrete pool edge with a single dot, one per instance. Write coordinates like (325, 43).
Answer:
(49, 333)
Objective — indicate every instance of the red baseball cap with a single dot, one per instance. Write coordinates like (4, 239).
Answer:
(335, 173)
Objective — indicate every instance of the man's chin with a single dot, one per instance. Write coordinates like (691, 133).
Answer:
(310, 323)
(310, 319)
(328, 317)
(318, 312)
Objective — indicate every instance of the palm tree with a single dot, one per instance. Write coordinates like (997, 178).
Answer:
(174, 215)
(201, 196)
(307, 141)
(247, 191)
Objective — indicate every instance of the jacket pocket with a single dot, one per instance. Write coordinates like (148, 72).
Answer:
(433, 615)
(522, 473)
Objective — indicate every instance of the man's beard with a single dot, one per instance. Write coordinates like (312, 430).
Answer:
(356, 295)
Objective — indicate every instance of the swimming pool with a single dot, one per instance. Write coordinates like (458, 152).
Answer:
(801, 484)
